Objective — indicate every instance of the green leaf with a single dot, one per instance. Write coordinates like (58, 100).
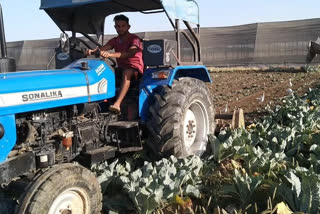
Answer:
(192, 190)
(295, 182)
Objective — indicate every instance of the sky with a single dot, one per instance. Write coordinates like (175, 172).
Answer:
(24, 21)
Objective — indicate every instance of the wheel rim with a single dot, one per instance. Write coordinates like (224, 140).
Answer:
(71, 201)
(195, 128)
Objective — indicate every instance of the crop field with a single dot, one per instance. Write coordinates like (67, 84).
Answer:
(271, 166)
(241, 87)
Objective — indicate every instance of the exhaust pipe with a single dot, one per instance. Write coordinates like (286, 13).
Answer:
(313, 50)
(2, 36)
(7, 64)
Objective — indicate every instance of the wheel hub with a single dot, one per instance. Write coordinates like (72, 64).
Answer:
(190, 129)
(67, 211)
(71, 201)
(195, 128)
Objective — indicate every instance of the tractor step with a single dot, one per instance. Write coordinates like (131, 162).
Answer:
(125, 135)
(98, 155)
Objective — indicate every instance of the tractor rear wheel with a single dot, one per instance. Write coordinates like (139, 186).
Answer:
(65, 188)
(180, 118)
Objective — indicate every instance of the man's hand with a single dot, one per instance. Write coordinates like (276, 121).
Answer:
(105, 54)
(89, 52)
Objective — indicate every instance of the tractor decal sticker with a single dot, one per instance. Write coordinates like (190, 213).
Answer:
(154, 49)
(100, 69)
(63, 56)
(20, 98)
(41, 96)
(102, 86)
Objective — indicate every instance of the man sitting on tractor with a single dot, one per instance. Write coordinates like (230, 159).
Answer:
(128, 52)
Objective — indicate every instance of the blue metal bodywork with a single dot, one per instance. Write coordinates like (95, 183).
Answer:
(28, 91)
(31, 91)
(10, 136)
(187, 10)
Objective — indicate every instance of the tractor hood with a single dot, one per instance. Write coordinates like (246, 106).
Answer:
(87, 16)
(35, 90)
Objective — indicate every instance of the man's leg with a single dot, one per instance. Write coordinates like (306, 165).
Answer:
(125, 84)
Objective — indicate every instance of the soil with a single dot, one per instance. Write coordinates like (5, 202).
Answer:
(243, 88)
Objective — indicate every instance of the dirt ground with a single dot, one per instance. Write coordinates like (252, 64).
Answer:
(244, 88)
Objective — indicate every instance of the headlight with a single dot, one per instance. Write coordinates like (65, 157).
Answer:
(160, 75)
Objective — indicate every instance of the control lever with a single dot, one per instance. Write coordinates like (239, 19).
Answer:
(97, 53)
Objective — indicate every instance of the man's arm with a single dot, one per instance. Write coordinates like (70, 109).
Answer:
(123, 55)
(105, 48)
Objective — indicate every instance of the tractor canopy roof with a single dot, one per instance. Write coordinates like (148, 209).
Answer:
(87, 16)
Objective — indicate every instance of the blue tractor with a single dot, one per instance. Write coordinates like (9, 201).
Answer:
(54, 124)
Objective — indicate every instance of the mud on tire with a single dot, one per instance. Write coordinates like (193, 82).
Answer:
(66, 188)
(180, 118)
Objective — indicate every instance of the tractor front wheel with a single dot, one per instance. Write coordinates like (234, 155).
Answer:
(66, 188)
(180, 118)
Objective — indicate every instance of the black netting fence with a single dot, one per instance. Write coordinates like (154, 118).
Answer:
(260, 43)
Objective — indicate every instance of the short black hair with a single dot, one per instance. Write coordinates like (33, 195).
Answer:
(121, 18)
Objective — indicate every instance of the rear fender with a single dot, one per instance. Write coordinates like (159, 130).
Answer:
(149, 84)
(195, 71)
(9, 139)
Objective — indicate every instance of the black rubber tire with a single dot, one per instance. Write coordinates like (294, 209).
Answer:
(42, 193)
(167, 114)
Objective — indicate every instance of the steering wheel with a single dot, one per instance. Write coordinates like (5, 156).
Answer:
(97, 54)
(77, 48)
